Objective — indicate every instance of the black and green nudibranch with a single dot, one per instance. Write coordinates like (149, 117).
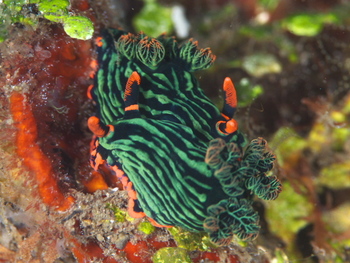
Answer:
(183, 162)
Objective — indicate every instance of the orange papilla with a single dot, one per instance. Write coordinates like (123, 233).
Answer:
(33, 157)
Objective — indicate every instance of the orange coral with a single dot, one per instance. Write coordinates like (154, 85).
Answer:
(32, 155)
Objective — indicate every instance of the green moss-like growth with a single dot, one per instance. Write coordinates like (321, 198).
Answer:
(119, 214)
(146, 227)
(189, 240)
(269, 4)
(308, 24)
(171, 255)
(154, 19)
(288, 145)
(14, 12)
(259, 64)
(79, 27)
(286, 214)
(75, 26)
(335, 175)
(54, 10)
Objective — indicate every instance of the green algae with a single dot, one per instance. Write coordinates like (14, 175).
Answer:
(191, 241)
(269, 4)
(146, 227)
(260, 64)
(54, 10)
(286, 214)
(154, 19)
(287, 144)
(308, 24)
(57, 11)
(335, 175)
(79, 27)
(247, 92)
(119, 214)
(12, 12)
(172, 255)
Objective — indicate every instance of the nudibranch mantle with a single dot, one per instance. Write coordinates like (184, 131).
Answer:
(182, 161)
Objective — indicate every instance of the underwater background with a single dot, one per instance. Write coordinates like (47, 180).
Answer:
(290, 63)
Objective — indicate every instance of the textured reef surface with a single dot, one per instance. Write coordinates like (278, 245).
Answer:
(290, 63)
(183, 162)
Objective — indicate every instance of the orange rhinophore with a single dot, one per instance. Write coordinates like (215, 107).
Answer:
(230, 93)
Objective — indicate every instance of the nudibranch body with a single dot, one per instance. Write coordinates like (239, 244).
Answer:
(183, 162)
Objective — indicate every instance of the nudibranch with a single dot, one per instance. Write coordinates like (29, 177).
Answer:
(183, 162)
